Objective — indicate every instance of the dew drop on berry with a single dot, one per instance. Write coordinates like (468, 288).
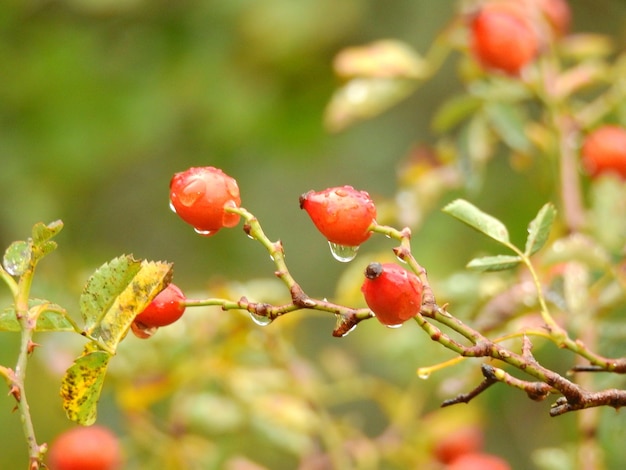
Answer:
(423, 374)
(343, 253)
(205, 233)
(260, 320)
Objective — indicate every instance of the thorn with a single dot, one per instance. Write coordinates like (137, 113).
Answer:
(31, 346)
(15, 391)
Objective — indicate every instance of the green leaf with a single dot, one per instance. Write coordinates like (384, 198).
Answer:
(17, 257)
(478, 220)
(82, 385)
(117, 292)
(48, 320)
(494, 263)
(43, 232)
(509, 124)
(454, 111)
(539, 229)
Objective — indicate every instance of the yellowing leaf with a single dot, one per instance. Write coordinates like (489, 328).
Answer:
(132, 296)
(82, 385)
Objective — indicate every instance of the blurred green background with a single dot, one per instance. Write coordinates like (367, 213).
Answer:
(101, 101)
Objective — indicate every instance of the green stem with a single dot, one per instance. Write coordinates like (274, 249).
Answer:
(9, 281)
(28, 322)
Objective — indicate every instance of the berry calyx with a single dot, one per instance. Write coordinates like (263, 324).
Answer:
(342, 214)
(200, 195)
(503, 38)
(604, 151)
(392, 293)
(85, 448)
(165, 308)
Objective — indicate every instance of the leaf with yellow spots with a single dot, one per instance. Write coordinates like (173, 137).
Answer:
(117, 292)
(82, 385)
(113, 296)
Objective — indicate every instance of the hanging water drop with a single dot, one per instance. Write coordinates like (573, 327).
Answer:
(423, 373)
(260, 320)
(205, 233)
(394, 326)
(343, 253)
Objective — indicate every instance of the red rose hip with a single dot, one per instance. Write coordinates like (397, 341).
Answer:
(165, 308)
(342, 214)
(392, 293)
(86, 448)
(200, 195)
(503, 38)
(479, 461)
(604, 151)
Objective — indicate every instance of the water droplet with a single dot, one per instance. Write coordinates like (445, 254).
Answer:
(172, 208)
(205, 233)
(423, 374)
(401, 259)
(260, 320)
(343, 253)
(17, 258)
(395, 326)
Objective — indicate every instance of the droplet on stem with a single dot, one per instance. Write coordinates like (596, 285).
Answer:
(260, 320)
(343, 253)
(423, 373)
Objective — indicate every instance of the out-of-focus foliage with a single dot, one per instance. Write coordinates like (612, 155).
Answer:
(101, 101)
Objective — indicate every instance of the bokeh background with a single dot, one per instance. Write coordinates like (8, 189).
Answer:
(101, 101)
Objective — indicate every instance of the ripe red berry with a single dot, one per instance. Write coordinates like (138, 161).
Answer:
(464, 440)
(479, 461)
(342, 214)
(392, 293)
(604, 151)
(85, 448)
(165, 308)
(503, 38)
(199, 196)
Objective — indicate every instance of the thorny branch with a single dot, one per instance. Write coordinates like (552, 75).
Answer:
(546, 381)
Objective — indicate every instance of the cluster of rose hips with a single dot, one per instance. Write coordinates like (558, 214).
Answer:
(208, 199)
(205, 198)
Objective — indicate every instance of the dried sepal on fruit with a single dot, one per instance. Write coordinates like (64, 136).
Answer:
(392, 293)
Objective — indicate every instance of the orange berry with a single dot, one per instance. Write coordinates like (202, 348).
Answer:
(503, 38)
(85, 448)
(604, 151)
